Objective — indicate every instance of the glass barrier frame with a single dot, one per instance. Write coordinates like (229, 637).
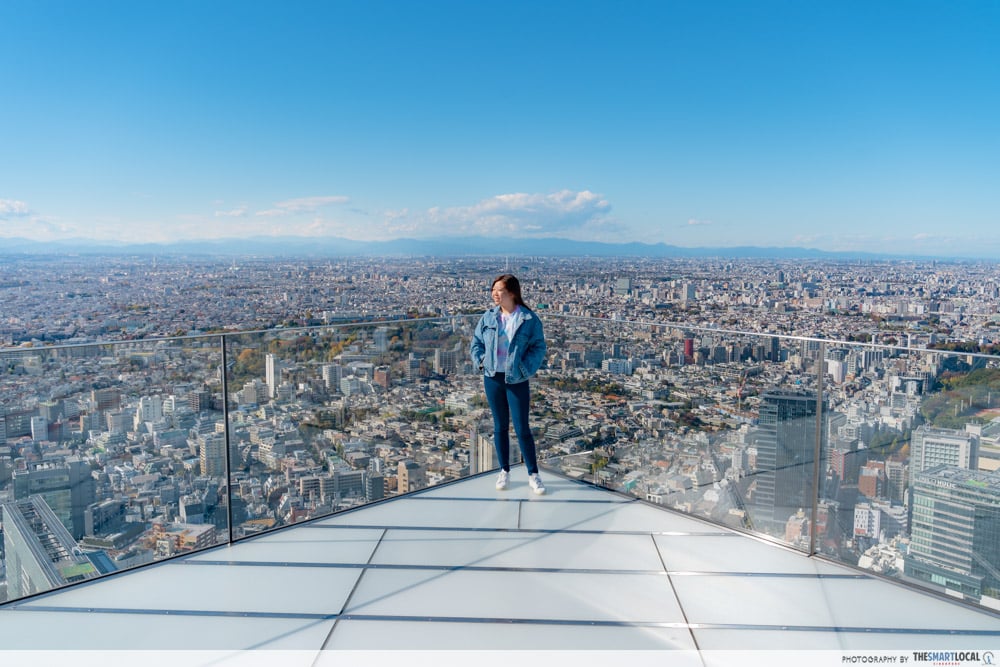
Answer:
(825, 431)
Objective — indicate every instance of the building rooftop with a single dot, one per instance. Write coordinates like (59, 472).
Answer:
(462, 566)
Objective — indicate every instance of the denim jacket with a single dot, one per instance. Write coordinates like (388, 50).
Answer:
(525, 353)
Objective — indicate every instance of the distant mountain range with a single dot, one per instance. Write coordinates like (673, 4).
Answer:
(292, 246)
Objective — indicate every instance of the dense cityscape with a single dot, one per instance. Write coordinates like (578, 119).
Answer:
(153, 406)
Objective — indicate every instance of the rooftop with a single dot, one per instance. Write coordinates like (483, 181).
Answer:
(463, 566)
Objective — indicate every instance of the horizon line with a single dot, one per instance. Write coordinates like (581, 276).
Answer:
(567, 247)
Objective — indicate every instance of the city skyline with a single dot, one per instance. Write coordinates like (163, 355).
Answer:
(847, 127)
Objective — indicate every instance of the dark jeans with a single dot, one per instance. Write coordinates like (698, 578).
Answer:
(508, 400)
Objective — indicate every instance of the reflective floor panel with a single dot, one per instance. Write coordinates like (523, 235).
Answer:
(465, 567)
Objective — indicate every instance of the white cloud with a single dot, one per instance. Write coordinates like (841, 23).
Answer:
(561, 213)
(567, 213)
(698, 223)
(36, 228)
(234, 213)
(19, 221)
(12, 208)
(302, 205)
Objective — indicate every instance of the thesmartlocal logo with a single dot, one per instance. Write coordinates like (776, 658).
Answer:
(955, 657)
(938, 658)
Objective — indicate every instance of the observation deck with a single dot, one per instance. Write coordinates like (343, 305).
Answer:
(315, 496)
(464, 567)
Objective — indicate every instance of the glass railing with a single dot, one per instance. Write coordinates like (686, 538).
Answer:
(103, 458)
(121, 454)
(879, 457)
(325, 419)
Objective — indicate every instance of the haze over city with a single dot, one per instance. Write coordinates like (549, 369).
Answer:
(844, 126)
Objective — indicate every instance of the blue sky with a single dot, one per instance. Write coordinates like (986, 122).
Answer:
(834, 125)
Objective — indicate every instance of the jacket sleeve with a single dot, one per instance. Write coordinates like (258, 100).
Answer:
(535, 349)
(477, 349)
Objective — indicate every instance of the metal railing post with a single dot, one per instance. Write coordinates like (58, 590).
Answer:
(817, 448)
(225, 423)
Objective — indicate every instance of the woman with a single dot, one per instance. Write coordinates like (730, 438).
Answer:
(509, 347)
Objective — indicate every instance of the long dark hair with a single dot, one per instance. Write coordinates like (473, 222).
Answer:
(513, 285)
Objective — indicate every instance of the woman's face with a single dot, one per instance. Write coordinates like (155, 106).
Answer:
(502, 297)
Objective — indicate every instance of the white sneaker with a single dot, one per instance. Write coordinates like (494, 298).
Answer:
(502, 479)
(535, 482)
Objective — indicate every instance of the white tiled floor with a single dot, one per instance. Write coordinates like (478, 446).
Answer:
(466, 567)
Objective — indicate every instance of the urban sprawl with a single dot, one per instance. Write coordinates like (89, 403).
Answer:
(153, 406)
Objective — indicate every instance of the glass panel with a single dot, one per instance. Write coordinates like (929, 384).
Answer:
(726, 426)
(109, 458)
(717, 424)
(913, 478)
(325, 419)
(115, 455)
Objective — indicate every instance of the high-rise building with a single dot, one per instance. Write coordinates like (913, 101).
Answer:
(484, 452)
(68, 489)
(786, 441)
(40, 553)
(106, 399)
(348, 483)
(212, 454)
(414, 367)
(871, 480)
(39, 429)
(411, 476)
(272, 374)
(445, 361)
(105, 517)
(374, 486)
(331, 375)
(52, 410)
(150, 409)
(688, 350)
(17, 421)
(191, 509)
(200, 400)
(867, 521)
(931, 447)
(955, 530)
(473, 449)
(350, 385)
(895, 472)
(381, 339)
(118, 421)
(617, 366)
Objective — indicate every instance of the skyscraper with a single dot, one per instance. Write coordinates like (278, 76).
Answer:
(40, 552)
(272, 371)
(381, 339)
(955, 531)
(474, 448)
(786, 456)
(67, 488)
(688, 350)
